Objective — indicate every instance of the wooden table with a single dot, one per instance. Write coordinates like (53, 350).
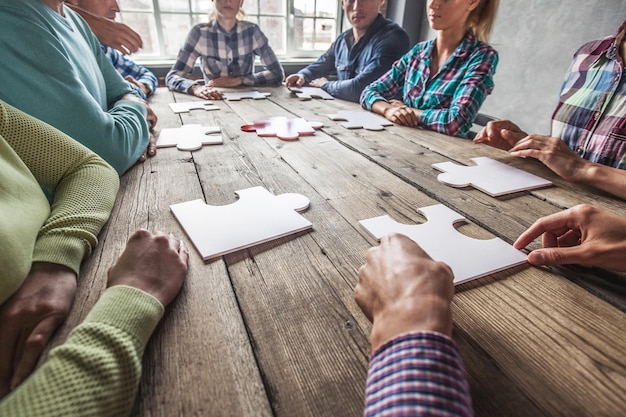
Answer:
(274, 330)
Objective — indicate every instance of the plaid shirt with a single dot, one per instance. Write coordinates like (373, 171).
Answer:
(224, 53)
(591, 115)
(451, 99)
(125, 66)
(417, 374)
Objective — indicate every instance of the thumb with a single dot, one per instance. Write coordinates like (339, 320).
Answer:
(557, 256)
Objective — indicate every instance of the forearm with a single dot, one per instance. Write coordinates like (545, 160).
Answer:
(111, 340)
(603, 177)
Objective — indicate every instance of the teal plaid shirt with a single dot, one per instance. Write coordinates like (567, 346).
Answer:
(451, 99)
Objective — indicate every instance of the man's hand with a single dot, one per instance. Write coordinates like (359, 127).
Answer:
(29, 318)
(318, 82)
(402, 289)
(155, 263)
(501, 134)
(583, 235)
(294, 80)
(144, 87)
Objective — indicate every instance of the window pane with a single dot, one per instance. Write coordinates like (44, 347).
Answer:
(324, 34)
(275, 30)
(303, 33)
(173, 5)
(175, 29)
(135, 5)
(304, 8)
(144, 24)
(272, 7)
(327, 8)
(201, 6)
(251, 7)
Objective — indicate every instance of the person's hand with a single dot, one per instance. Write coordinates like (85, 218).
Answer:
(206, 92)
(583, 235)
(501, 134)
(554, 153)
(144, 87)
(294, 80)
(402, 114)
(29, 318)
(318, 82)
(226, 81)
(402, 289)
(151, 149)
(152, 262)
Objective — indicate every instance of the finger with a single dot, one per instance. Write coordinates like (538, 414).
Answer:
(8, 335)
(152, 148)
(32, 349)
(558, 256)
(555, 223)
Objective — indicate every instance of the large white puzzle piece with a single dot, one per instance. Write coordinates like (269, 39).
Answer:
(187, 106)
(489, 176)
(307, 93)
(283, 128)
(468, 258)
(360, 120)
(255, 95)
(189, 137)
(257, 217)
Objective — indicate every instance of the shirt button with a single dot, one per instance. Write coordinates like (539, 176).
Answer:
(579, 150)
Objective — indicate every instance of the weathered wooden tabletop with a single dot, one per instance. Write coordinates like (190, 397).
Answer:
(274, 330)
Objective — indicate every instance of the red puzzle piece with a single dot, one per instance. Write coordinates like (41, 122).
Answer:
(283, 128)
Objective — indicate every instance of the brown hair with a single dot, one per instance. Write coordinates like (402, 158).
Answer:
(480, 20)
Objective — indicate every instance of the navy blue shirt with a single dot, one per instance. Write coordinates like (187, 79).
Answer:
(357, 65)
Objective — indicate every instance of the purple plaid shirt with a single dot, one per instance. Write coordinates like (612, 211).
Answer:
(417, 374)
(451, 99)
(224, 53)
(591, 115)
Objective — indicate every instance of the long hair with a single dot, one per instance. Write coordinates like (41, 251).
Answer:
(480, 20)
(241, 14)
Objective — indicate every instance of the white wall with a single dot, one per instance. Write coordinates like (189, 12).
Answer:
(535, 40)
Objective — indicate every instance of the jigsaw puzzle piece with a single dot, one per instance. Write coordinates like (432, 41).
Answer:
(468, 258)
(185, 107)
(283, 128)
(307, 93)
(255, 95)
(189, 137)
(256, 217)
(489, 176)
(360, 120)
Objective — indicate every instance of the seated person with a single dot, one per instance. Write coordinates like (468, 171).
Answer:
(41, 251)
(227, 46)
(139, 77)
(65, 80)
(586, 144)
(440, 84)
(359, 55)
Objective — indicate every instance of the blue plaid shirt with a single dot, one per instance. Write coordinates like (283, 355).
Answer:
(125, 66)
(451, 99)
(224, 53)
(591, 114)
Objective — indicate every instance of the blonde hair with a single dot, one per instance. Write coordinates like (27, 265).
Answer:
(480, 20)
(241, 14)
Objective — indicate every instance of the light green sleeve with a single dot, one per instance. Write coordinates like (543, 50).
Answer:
(96, 371)
(83, 184)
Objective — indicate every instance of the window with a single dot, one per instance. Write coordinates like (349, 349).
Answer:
(295, 28)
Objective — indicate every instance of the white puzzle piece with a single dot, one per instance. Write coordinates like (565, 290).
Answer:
(187, 106)
(189, 137)
(308, 93)
(489, 176)
(257, 217)
(468, 258)
(283, 128)
(360, 120)
(255, 95)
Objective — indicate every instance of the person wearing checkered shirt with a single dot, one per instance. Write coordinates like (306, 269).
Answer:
(441, 83)
(587, 143)
(227, 47)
